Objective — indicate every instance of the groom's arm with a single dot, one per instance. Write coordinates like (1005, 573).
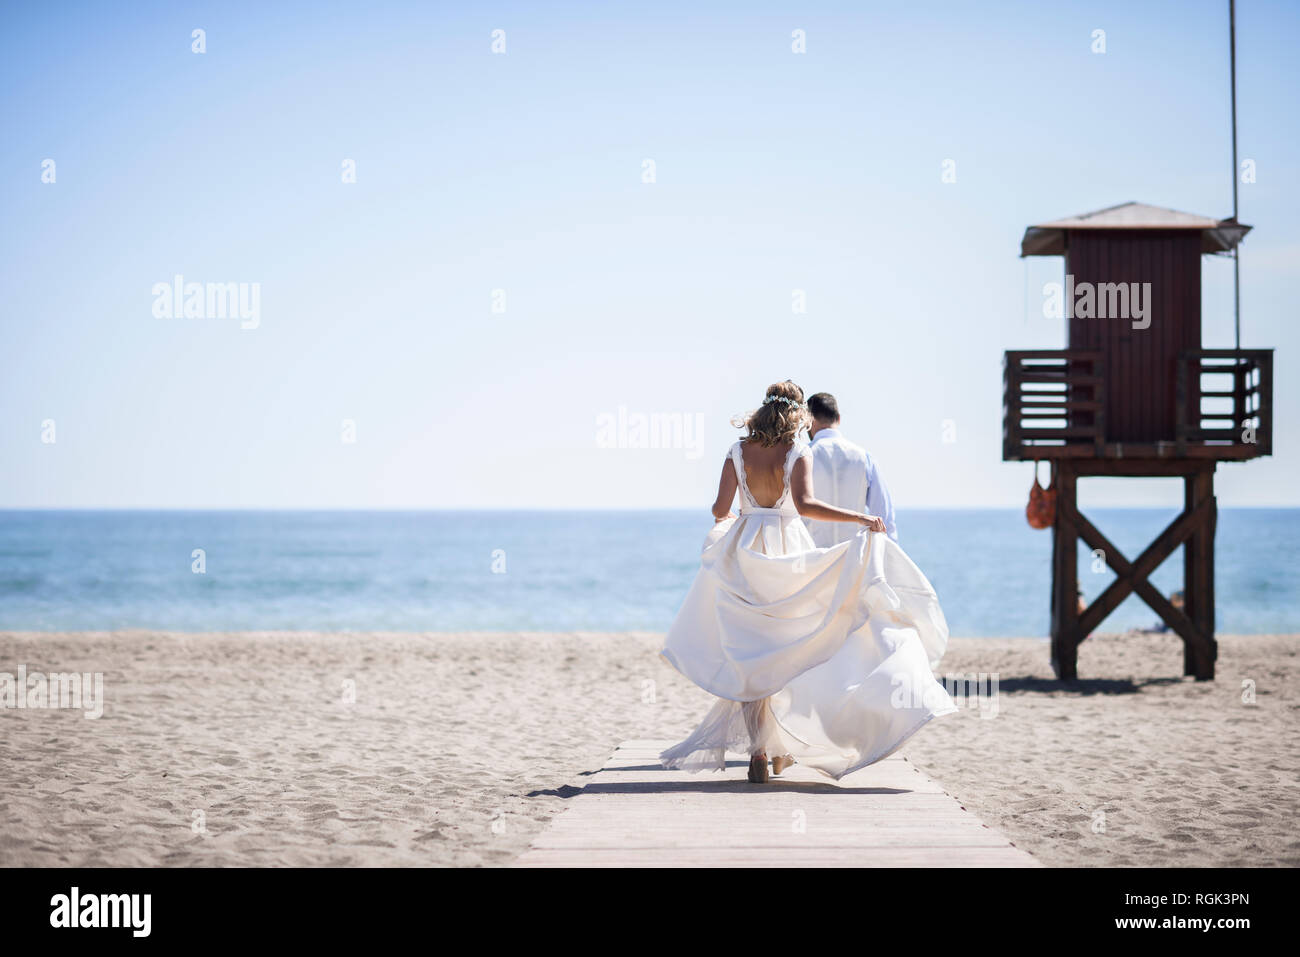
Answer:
(879, 501)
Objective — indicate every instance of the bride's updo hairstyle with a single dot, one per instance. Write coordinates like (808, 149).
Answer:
(779, 419)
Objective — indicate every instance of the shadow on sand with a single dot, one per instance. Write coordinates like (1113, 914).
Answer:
(1082, 686)
(727, 785)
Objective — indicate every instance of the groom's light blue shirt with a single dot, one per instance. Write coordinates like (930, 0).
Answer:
(841, 469)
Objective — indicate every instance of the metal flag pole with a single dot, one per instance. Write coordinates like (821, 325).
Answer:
(1236, 252)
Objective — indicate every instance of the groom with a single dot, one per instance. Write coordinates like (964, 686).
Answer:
(843, 475)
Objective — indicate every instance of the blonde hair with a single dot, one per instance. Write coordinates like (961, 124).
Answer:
(779, 419)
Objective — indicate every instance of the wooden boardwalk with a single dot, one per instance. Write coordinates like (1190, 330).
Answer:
(633, 813)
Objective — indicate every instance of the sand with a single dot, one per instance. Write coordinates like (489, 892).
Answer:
(456, 749)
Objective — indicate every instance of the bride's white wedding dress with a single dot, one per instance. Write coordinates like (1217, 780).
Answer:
(823, 653)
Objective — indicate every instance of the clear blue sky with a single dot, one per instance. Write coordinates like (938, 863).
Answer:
(522, 172)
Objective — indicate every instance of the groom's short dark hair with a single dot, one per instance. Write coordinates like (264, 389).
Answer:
(824, 407)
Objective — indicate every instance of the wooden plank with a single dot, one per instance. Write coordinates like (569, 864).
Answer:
(1082, 405)
(1063, 376)
(1097, 420)
(1182, 422)
(1054, 432)
(1016, 355)
(1010, 414)
(1126, 457)
(759, 857)
(1255, 354)
(1066, 633)
(1264, 435)
(1198, 578)
(1137, 465)
(634, 813)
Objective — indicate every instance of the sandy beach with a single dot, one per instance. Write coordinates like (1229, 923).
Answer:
(315, 749)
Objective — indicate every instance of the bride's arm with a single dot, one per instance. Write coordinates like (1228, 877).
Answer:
(727, 486)
(810, 507)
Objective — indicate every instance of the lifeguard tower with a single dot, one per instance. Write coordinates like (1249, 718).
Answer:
(1135, 394)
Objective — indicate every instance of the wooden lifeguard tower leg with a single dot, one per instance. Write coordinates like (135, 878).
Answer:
(1193, 529)
(1065, 575)
(1198, 575)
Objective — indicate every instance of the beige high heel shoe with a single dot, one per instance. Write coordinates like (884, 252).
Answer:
(782, 762)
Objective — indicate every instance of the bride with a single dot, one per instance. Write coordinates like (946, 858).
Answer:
(823, 656)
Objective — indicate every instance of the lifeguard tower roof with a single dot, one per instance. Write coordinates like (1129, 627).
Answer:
(1217, 235)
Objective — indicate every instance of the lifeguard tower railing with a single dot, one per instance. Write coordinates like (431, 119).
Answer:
(1054, 406)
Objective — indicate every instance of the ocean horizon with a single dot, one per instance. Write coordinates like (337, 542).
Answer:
(552, 570)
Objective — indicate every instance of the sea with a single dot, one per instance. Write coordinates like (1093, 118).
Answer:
(202, 571)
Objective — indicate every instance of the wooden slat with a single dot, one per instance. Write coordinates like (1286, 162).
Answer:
(1016, 355)
(1081, 405)
(1051, 432)
(1256, 354)
(759, 857)
(1060, 377)
(633, 813)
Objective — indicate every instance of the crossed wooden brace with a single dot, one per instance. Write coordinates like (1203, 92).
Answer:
(1132, 576)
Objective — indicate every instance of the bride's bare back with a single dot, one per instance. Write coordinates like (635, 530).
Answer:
(765, 471)
(764, 468)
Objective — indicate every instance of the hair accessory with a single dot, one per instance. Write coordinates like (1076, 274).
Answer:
(780, 398)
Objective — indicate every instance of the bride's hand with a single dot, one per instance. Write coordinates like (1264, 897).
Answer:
(873, 522)
(724, 518)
